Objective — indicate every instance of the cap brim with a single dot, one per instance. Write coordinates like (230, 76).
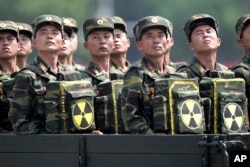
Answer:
(57, 25)
(10, 31)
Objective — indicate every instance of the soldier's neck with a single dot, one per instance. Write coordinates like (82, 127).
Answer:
(9, 65)
(51, 59)
(102, 63)
(208, 60)
(119, 60)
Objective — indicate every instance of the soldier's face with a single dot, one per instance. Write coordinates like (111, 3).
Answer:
(244, 42)
(25, 46)
(8, 45)
(66, 49)
(153, 43)
(122, 43)
(74, 41)
(204, 38)
(48, 39)
(100, 43)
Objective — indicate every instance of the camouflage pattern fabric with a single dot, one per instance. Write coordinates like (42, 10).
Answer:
(229, 104)
(137, 108)
(242, 70)
(195, 69)
(114, 66)
(95, 74)
(27, 112)
(176, 65)
(6, 84)
(108, 107)
(97, 77)
(69, 106)
(177, 106)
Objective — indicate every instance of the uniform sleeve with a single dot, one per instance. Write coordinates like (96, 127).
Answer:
(21, 112)
(133, 113)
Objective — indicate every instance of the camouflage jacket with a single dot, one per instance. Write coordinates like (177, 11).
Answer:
(94, 73)
(78, 67)
(242, 69)
(137, 111)
(114, 66)
(195, 69)
(176, 65)
(5, 95)
(27, 105)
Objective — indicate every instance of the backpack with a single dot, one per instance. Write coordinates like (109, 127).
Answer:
(108, 107)
(177, 106)
(69, 106)
(228, 112)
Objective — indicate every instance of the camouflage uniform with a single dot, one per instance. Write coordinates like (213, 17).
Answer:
(114, 66)
(194, 68)
(5, 93)
(137, 93)
(92, 71)
(6, 81)
(27, 106)
(241, 68)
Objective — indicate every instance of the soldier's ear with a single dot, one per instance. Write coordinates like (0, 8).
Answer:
(34, 42)
(171, 41)
(240, 42)
(139, 45)
(85, 45)
(191, 47)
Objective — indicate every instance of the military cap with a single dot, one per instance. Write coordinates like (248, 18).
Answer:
(67, 26)
(119, 23)
(152, 22)
(70, 22)
(9, 26)
(97, 23)
(47, 20)
(26, 29)
(242, 23)
(197, 20)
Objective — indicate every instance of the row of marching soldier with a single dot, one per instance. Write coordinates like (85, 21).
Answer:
(55, 95)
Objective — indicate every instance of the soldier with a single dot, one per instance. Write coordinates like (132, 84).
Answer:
(241, 69)
(8, 50)
(66, 50)
(202, 33)
(215, 80)
(118, 58)
(27, 112)
(151, 34)
(99, 41)
(25, 41)
(70, 23)
(167, 60)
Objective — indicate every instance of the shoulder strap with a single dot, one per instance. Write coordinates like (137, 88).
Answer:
(240, 65)
(191, 69)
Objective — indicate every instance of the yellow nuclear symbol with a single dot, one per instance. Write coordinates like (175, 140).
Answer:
(233, 117)
(83, 114)
(191, 114)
